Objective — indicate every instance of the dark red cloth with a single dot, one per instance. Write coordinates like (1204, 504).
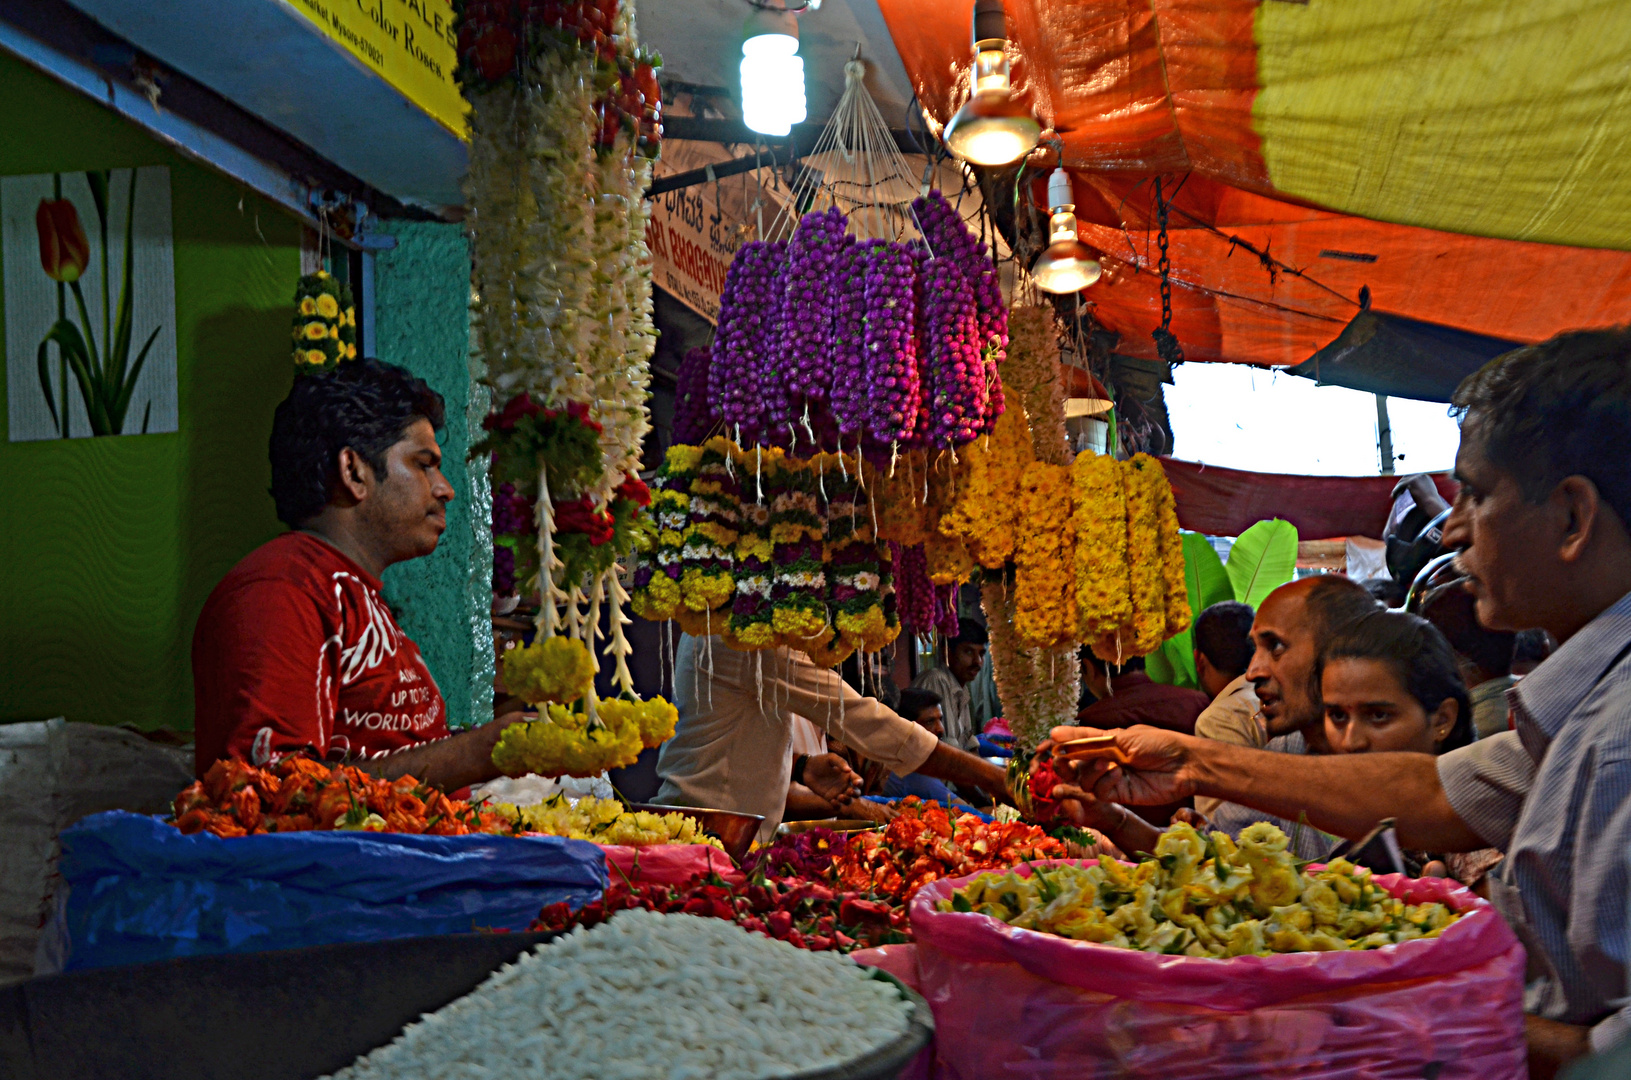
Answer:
(1135, 698)
(296, 650)
(1227, 502)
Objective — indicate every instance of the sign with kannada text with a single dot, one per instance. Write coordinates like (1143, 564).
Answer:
(690, 251)
(408, 43)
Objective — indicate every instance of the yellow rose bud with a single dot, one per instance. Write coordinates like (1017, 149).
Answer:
(316, 331)
(316, 356)
(350, 352)
(308, 306)
(327, 307)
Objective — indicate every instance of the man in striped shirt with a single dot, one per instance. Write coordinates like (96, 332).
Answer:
(1541, 524)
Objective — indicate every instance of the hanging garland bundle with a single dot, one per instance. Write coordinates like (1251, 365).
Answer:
(825, 341)
(325, 323)
(564, 126)
(985, 511)
(1045, 597)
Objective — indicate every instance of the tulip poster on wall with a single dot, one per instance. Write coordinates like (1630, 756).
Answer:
(90, 303)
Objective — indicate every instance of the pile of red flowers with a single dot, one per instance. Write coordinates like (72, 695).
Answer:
(924, 843)
(299, 794)
(807, 914)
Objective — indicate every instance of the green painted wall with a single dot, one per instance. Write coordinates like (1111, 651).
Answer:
(421, 309)
(109, 546)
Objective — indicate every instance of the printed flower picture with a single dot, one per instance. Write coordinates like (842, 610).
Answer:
(89, 303)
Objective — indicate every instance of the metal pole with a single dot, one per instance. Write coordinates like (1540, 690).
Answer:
(1384, 435)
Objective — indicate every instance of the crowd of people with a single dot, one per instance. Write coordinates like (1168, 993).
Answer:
(1332, 710)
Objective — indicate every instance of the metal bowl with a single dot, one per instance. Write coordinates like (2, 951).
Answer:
(735, 831)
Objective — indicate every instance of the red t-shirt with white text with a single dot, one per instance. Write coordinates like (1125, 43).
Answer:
(296, 650)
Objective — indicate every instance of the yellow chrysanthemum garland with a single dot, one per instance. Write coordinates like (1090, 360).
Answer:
(1103, 592)
(984, 511)
(605, 821)
(1179, 615)
(1145, 571)
(556, 669)
(1045, 596)
(562, 742)
(1032, 377)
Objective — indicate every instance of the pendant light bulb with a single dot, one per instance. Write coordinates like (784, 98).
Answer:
(991, 128)
(772, 73)
(1067, 265)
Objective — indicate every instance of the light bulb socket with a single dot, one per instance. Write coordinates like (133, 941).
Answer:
(768, 20)
(1060, 196)
(990, 23)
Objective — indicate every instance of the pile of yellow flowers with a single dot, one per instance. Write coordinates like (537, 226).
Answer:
(562, 742)
(1207, 896)
(605, 821)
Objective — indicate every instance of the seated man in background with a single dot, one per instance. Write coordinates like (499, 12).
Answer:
(965, 653)
(1127, 696)
(1223, 650)
(923, 708)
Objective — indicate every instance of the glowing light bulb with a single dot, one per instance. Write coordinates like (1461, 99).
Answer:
(991, 128)
(772, 74)
(1067, 265)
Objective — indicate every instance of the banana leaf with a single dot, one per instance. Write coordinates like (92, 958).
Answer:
(1208, 583)
(1262, 560)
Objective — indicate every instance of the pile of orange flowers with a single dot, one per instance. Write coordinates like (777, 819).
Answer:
(925, 843)
(299, 794)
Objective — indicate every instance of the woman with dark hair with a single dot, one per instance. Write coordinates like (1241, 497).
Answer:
(1391, 682)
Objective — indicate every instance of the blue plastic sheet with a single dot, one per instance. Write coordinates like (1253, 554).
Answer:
(139, 891)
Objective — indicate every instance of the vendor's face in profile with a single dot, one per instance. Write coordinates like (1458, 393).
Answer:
(1282, 667)
(1501, 536)
(1369, 711)
(406, 508)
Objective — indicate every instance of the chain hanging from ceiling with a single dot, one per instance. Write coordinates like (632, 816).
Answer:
(1166, 342)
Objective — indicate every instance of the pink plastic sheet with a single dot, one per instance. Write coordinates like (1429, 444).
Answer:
(1030, 1006)
(901, 962)
(667, 864)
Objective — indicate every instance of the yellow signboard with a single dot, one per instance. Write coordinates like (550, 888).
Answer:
(408, 43)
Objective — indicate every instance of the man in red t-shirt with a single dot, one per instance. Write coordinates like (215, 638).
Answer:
(295, 650)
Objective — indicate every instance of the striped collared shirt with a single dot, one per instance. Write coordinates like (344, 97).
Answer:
(1555, 795)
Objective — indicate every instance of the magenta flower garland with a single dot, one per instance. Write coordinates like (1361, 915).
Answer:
(826, 342)
(693, 419)
(892, 376)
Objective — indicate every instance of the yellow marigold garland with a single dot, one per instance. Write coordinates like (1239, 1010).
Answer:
(556, 669)
(562, 743)
(1179, 615)
(1144, 567)
(1099, 513)
(949, 561)
(984, 510)
(1045, 595)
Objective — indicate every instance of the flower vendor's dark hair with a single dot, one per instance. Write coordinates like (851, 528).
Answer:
(1223, 634)
(1561, 408)
(1420, 656)
(970, 632)
(913, 702)
(364, 404)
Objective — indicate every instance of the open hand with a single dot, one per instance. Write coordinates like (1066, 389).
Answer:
(830, 776)
(1156, 773)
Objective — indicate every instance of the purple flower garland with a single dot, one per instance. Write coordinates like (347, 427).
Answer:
(749, 328)
(807, 304)
(980, 343)
(693, 419)
(914, 594)
(849, 395)
(892, 377)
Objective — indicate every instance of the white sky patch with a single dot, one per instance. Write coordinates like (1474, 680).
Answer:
(1245, 417)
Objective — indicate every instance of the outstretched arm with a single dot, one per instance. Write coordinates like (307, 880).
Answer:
(1342, 794)
(960, 767)
(458, 761)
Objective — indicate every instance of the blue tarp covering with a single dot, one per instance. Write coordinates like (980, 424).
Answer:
(140, 891)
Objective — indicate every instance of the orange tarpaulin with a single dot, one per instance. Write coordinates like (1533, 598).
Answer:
(1464, 134)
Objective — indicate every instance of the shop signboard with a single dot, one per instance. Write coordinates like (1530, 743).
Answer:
(410, 44)
(90, 303)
